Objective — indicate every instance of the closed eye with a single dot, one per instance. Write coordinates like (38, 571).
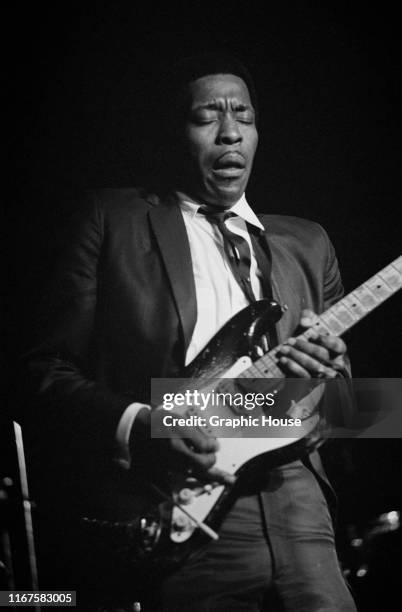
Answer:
(245, 117)
(204, 117)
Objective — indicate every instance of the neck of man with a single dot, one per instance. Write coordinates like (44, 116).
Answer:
(187, 196)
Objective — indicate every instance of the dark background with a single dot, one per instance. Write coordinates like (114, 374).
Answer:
(329, 85)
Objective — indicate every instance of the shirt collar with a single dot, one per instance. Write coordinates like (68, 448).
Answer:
(241, 208)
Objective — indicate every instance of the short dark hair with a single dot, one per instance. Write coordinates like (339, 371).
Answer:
(192, 68)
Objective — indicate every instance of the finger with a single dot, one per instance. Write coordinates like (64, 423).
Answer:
(317, 351)
(308, 318)
(333, 344)
(202, 464)
(324, 352)
(291, 368)
(303, 359)
(313, 366)
(204, 461)
(215, 474)
(201, 442)
(196, 439)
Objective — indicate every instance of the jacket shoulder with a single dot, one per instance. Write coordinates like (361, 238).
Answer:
(300, 233)
(111, 201)
(286, 224)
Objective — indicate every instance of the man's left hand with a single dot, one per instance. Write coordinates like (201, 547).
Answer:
(318, 357)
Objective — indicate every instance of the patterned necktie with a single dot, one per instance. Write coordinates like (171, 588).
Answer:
(236, 248)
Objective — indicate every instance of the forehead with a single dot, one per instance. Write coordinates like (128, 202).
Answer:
(218, 86)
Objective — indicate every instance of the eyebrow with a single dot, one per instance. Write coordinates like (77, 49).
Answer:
(216, 104)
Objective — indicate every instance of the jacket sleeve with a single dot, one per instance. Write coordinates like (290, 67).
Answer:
(333, 287)
(65, 396)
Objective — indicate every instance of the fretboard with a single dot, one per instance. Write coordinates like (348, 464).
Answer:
(340, 317)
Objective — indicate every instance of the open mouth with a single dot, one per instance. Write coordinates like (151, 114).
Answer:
(229, 165)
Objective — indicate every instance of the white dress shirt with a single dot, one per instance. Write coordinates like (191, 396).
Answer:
(219, 296)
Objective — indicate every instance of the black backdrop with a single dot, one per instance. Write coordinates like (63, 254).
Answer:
(329, 86)
(330, 149)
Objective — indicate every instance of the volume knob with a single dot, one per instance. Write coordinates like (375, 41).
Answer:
(185, 496)
(180, 523)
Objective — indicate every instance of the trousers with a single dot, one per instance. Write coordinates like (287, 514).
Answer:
(276, 552)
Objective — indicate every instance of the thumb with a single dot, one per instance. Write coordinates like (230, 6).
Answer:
(308, 318)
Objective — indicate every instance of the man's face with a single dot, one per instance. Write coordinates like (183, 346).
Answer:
(220, 139)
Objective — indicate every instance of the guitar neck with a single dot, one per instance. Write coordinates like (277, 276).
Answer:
(341, 316)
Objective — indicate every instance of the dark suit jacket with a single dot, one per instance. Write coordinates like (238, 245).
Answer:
(123, 308)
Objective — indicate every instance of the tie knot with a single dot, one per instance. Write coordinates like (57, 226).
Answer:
(236, 247)
(216, 216)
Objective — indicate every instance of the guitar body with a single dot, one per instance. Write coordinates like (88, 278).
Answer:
(151, 527)
(142, 529)
(237, 339)
(227, 356)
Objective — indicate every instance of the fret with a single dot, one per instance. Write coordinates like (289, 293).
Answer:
(331, 321)
(272, 363)
(364, 299)
(392, 277)
(249, 373)
(344, 314)
(379, 287)
(355, 305)
(367, 298)
(320, 327)
(398, 264)
(340, 317)
(265, 366)
(274, 372)
(260, 368)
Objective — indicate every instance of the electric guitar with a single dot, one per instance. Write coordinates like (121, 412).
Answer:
(171, 519)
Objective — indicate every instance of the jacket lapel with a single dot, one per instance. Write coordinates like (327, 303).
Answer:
(280, 278)
(283, 289)
(263, 256)
(170, 232)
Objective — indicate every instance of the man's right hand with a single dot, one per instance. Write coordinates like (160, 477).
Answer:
(187, 449)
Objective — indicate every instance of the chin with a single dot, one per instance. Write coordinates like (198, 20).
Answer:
(221, 195)
(229, 196)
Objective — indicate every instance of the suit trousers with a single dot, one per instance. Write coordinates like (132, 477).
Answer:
(276, 552)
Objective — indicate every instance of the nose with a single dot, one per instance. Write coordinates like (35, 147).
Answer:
(229, 132)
